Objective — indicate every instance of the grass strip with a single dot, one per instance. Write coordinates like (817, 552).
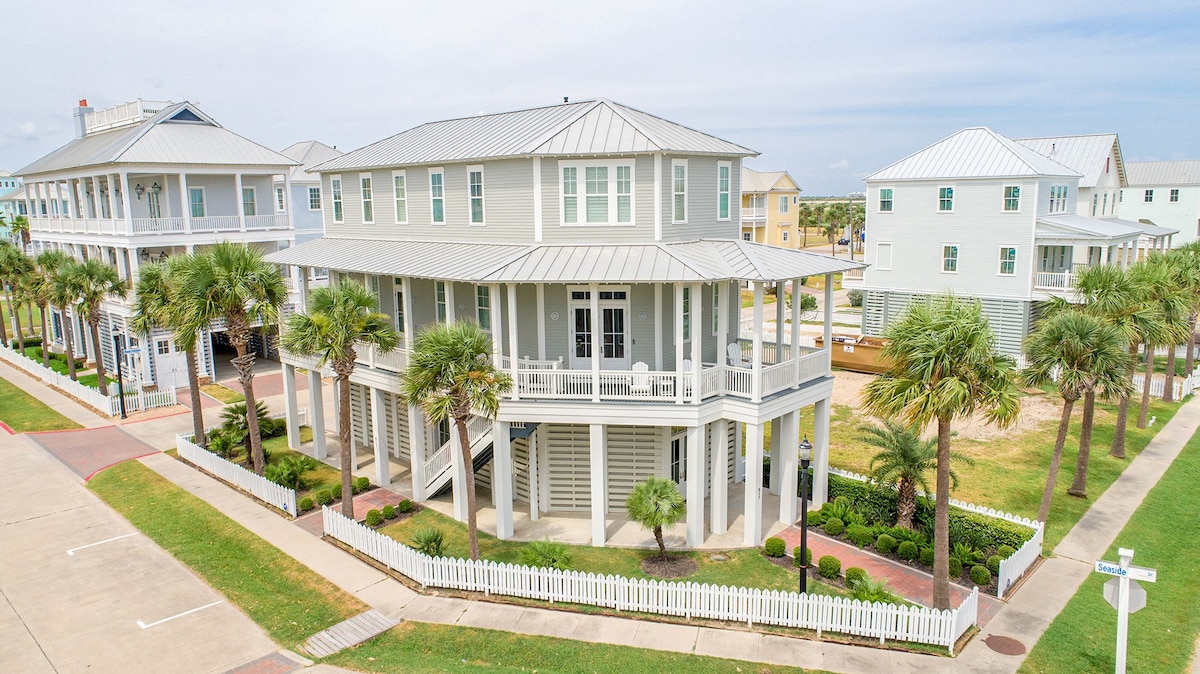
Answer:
(222, 393)
(24, 413)
(1162, 635)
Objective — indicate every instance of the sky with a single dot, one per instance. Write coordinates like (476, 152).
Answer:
(829, 91)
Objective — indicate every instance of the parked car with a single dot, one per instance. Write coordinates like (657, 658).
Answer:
(843, 241)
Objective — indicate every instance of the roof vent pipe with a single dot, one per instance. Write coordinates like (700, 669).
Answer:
(566, 100)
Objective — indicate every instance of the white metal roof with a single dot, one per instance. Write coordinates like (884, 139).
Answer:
(764, 181)
(161, 140)
(308, 153)
(694, 261)
(1152, 173)
(1087, 154)
(1072, 226)
(977, 152)
(1147, 228)
(583, 128)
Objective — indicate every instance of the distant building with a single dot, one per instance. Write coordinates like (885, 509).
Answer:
(769, 202)
(305, 198)
(1167, 194)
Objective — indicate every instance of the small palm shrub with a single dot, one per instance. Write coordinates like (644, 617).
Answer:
(324, 497)
(907, 550)
(839, 508)
(829, 567)
(404, 507)
(223, 444)
(834, 527)
(289, 471)
(360, 484)
(871, 589)
(956, 567)
(885, 543)
(429, 541)
(980, 575)
(966, 553)
(796, 556)
(993, 564)
(774, 547)
(389, 512)
(306, 504)
(902, 534)
(855, 575)
(927, 556)
(374, 518)
(859, 535)
(547, 553)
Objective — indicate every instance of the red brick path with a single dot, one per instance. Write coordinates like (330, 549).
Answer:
(88, 450)
(267, 385)
(372, 500)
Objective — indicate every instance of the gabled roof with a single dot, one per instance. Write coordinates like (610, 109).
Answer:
(180, 134)
(977, 152)
(1087, 155)
(308, 153)
(1151, 173)
(765, 181)
(596, 127)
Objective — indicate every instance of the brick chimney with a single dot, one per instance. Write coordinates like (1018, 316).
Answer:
(81, 118)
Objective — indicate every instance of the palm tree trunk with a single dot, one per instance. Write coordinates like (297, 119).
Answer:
(464, 442)
(1056, 459)
(1189, 361)
(1079, 484)
(342, 382)
(69, 343)
(1169, 380)
(29, 315)
(1146, 387)
(100, 377)
(662, 545)
(4, 323)
(906, 504)
(244, 362)
(16, 314)
(941, 519)
(194, 394)
(1118, 444)
(45, 339)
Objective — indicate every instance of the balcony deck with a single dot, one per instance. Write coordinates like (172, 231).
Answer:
(172, 225)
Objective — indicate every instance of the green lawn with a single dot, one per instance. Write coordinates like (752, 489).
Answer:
(37, 320)
(93, 381)
(1161, 636)
(292, 602)
(23, 413)
(222, 393)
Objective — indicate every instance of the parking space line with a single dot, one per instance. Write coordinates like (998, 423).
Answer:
(177, 615)
(71, 552)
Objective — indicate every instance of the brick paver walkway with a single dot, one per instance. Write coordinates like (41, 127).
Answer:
(265, 385)
(372, 500)
(88, 450)
(207, 402)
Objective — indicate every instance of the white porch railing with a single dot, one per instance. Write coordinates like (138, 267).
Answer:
(439, 462)
(688, 600)
(135, 400)
(754, 213)
(156, 225)
(273, 221)
(217, 223)
(852, 278)
(260, 487)
(370, 355)
(1046, 280)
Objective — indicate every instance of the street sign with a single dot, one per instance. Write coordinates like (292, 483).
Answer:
(1131, 572)
(136, 349)
(1137, 595)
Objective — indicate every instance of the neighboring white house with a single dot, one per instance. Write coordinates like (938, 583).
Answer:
(304, 197)
(1166, 193)
(143, 181)
(599, 246)
(985, 216)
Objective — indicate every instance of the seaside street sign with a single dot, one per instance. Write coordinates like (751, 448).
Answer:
(1132, 573)
(1125, 596)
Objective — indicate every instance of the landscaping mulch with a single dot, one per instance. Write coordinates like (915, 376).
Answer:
(675, 566)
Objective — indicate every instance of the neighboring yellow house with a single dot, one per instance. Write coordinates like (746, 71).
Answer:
(769, 203)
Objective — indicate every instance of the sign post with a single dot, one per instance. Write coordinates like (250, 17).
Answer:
(1125, 572)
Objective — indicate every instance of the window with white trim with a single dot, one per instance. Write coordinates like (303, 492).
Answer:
(885, 200)
(475, 192)
(1174, 198)
(437, 195)
(1058, 198)
(335, 188)
(687, 314)
(314, 198)
(1012, 198)
(400, 195)
(783, 204)
(483, 307)
(1008, 260)
(249, 203)
(724, 170)
(950, 259)
(679, 190)
(716, 308)
(196, 201)
(280, 202)
(945, 199)
(1148, 196)
(1104, 205)
(606, 191)
(368, 198)
(883, 255)
(439, 291)
(1095, 203)
(784, 237)
(747, 236)
(398, 284)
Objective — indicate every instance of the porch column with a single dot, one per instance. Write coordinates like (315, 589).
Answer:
(416, 450)
(678, 342)
(112, 195)
(827, 331)
(95, 197)
(718, 491)
(695, 485)
(185, 202)
(780, 301)
(698, 328)
(776, 459)
(757, 353)
(512, 333)
(797, 296)
(789, 429)
(495, 308)
(289, 404)
(458, 476)
(316, 414)
(502, 476)
(451, 309)
(820, 490)
(379, 412)
(541, 314)
(721, 288)
(406, 285)
(599, 467)
(534, 483)
(597, 343)
(241, 206)
(126, 205)
(752, 517)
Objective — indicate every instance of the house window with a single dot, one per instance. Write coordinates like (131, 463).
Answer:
(1149, 196)
(249, 206)
(716, 308)
(885, 200)
(747, 236)
(950, 259)
(607, 192)
(1174, 196)
(314, 198)
(439, 289)
(437, 195)
(400, 194)
(624, 193)
(596, 187)
(1012, 198)
(398, 284)
(883, 256)
(783, 204)
(679, 458)
(153, 204)
(723, 172)
(279, 200)
(162, 347)
(368, 200)
(785, 236)
(475, 189)
(1008, 260)
(945, 198)
(196, 200)
(687, 314)
(483, 307)
(1095, 203)
(335, 184)
(679, 190)
(1104, 206)
(1058, 198)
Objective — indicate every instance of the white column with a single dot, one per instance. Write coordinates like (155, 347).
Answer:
(416, 450)
(599, 467)
(541, 320)
(502, 474)
(757, 357)
(658, 327)
(776, 459)
(241, 207)
(126, 205)
(96, 197)
(534, 491)
(827, 333)
(695, 486)
(820, 443)
(451, 308)
(658, 196)
(112, 195)
(289, 208)
(537, 202)
(721, 288)
(289, 404)
(788, 467)
(379, 412)
(718, 491)
(797, 296)
(597, 340)
(406, 284)
(739, 458)
(780, 302)
(679, 342)
(698, 329)
(316, 414)
(512, 331)
(752, 517)
(185, 201)
(458, 476)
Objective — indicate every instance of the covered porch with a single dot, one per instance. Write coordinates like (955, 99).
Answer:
(1065, 244)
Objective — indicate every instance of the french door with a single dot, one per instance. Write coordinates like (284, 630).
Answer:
(611, 341)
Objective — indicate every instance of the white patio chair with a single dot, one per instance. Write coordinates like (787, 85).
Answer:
(734, 351)
(641, 384)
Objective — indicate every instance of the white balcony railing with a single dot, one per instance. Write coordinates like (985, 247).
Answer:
(157, 225)
(259, 222)
(852, 278)
(217, 223)
(754, 213)
(1045, 280)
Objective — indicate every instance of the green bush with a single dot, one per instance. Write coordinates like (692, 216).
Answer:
(993, 564)
(885, 543)
(289, 471)
(902, 534)
(360, 484)
(796, 556)
(834, 527)
(306, 504)
(855, 296)
(429, 541)
(774, 547)
(926, 556)
(907, 550)
(816, 518)
(374, 518)
(547, 553)
(389, 512)
(981, 576)
(336, 491)
(855, 575)
(859, 535)
(1006, 551)
(955, 568)
(829, 566)
(324, 497)
(405, 506)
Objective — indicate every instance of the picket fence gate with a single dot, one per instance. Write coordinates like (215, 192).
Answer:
(135, 401)
(276, 495)
(687, 600)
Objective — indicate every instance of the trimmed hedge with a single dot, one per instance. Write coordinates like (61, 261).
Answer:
(885, 543)
(324, 497)
(360, 484)
(829, 567)
(374, 518)
(859, 535)
(1006, 551)
(834, 527)
(405, 506)
(926, 556)
(796, 556)
(306, 504)
(993, 564)
(980, 575)
(774, 547)
(389, 512)
(955, 567)
(907, 550)
(855, 574)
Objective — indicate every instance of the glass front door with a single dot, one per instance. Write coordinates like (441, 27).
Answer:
(613, 340)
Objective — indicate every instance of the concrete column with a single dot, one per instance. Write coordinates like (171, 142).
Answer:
(416, 448)
(752, 517)
(679, 342)
(699, 327)
(827, 329)
(788, 467)
(718, 492)
(502, 476)
(289, 403)
(780, 302)
(797, 296)
(599, 467)
(695, 485)
(379, 412)
(316, 414)
(776, 460)
(820, 442)
(185, 201)
(512, 332)
(458, 475)
(721, 288)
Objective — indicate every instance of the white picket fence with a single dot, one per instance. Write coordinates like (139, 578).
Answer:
(135, 401)
(279, 496)
(688, 600)
(1183, 386)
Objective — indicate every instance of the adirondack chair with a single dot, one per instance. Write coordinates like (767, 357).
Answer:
(734, 351)
(641, 383)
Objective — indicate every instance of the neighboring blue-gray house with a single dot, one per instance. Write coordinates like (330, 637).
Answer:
(306, 188)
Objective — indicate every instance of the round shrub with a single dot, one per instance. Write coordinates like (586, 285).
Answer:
(336, 491)
(360, 484)
(859, 535)
(405, 506)
(324, 497)
(955, 567)
(885, 544)
(816, 518)
(834, 527)
(993, 564)
(926, 556)
(907, 550)
(829, 566)
(774, 547)
(306, 504)
(389, 512)
(374, 518)
(855, 296)
(796, 556)
(1005, 551)
(855, 575)
(980, 575)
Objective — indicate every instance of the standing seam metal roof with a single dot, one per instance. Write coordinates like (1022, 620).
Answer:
(1085, 154)
(1152, 173)
(972, 153)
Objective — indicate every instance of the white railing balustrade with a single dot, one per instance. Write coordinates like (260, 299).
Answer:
(260, 487)
(273, 221)
(217, 223)
(157, 225)
(1046, 280)
(754, 213)
(440, 461)
(395, 360)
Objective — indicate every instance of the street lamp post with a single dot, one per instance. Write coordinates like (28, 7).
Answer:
(805, 459)
(120, 370)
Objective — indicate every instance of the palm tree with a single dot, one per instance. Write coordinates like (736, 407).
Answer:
(655, 503)
(232, 281)
(1184, 264)
(159, 302)
(62, 296)
(450, 376)
(338, 318)
(20, 227)
(903, 463)
(14, 266)
(944, 366)
(1163, 293)
(1189, 254)
(91, 282)
(41, 282)
(1083, 353)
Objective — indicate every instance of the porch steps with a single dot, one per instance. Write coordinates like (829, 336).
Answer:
(348, 633)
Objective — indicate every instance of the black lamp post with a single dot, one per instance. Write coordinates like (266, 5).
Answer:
(805, 459)
(120, 370)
